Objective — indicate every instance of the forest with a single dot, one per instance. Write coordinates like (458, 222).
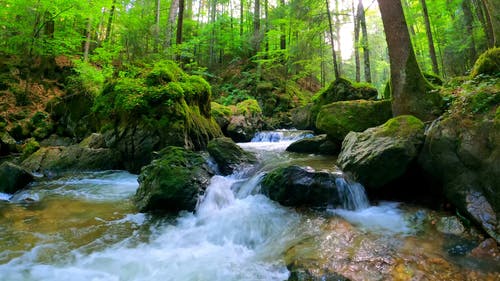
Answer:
(250, 139)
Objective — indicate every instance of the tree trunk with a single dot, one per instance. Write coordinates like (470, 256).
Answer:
(485, 23)
(337, 37)
(471, 43)
(213, 16)
(283, 32)
(110, 21)
(493, 9)
(86, 45)
(180, 23)
(356, 42)
(410, 90)
(266, 11)
(169, 31)
(256, 26)
(242, 3)
(432, 50)
(157, 27)
(334, 55)
(364, 42)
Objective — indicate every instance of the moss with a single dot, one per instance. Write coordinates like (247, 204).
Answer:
(488, 63)
(164, 72)
(339, 118)
(402, 126)
(249, 107)
(433, 79)
(30, 146)
(387, 91)
(483, 101)
(219, 110)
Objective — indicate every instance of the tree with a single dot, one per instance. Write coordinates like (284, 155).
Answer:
(493, 9)
(334, 55)
(432, 50)
(409, 88)
(364, 42)
(356, 42)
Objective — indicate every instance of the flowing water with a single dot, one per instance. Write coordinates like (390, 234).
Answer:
(85, 227)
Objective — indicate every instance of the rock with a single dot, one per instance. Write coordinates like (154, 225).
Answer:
(339, 118)
(222, 115)
(55, 140)
(7, 143)
(94, 141)
(302, 117)
(302, 186)
(317, 144)
(13, 178)
(173, 182)
(344, 90)
(382, 154)
(450, 225)
(246, 121)
(487, 249)
(228, 155)
(56, 159)
(462, 153)
(488, 63)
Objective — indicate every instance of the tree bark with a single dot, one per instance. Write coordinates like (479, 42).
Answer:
(485, 22)
(180, 22)
(110, 21)
(471, 43)
(337, 37)
(86, 44)
(334, 55)
(169, 31)
(242, 3)
(432, 50)
(364, 42)
(493, 9)
(256, 26)
(356, 42)
(157, 27)
(283, 32)
(410, 90)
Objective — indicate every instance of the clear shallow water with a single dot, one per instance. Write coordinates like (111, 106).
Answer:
(85, 227)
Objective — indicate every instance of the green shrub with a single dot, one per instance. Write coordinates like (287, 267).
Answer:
(30, 146)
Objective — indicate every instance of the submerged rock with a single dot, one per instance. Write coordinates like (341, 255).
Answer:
(382, 154)
(339, 118)
(228, 155)
(450, 225)
(173, 182)
(13, 177)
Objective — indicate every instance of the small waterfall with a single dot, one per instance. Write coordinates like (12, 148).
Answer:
(352, 194)
(281, 135)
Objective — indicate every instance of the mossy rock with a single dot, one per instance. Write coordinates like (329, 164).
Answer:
(382, 154)
(339, 118)
(29, 147)
(173, 182)
(7, 143)
(317, 144)
(13, 177)
(249, 107)
(228, 155)
(342, 90)
(222, 115)
(488, 63)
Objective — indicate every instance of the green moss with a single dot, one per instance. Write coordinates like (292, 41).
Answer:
(401, 126)
(387, 91)
(30, 146)
(248, 107)
(164, 72)
(488, 63)
(433, 79)
(339, 118)
(219, 110)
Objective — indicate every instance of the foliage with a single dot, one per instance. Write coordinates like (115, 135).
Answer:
(30, 146)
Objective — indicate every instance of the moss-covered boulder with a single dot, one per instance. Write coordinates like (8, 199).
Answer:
(301, 186)
(382, 154)
(246, 121)
(343, 90)
(7, 143)
(228, 155)
(318, 144)
(173, 182)
(302, 117)
(13, 177)
(339, 118)
(488, 63)
(89, 155)
(462, 152)
(222, 115)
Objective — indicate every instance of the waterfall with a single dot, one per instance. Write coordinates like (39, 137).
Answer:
(281, 135)
(352, 194)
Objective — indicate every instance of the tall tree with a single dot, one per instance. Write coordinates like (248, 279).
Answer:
(180, 22)
(493, 9)
(432, 50)
(169, 31)
(469, 28)
(336, 70)
(364, 42)
(355, 18)
(110, 20)
(410, 90)
(157, 27)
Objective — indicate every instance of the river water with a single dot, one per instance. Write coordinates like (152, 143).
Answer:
(85, 227)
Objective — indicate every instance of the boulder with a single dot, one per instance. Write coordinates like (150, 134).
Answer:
(79, 157)
(339, 118)
(302, 117)
(7, 143)
(228, 155)
(488, 63)
(173, 182)
(317, 144)
(13, 178)
(246, 121)
(462, 152)
(222, 115)
(343, 90)
(382, 154)
(303, 186)
(450, 225)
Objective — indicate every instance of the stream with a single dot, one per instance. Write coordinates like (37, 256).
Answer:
(85, 227)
